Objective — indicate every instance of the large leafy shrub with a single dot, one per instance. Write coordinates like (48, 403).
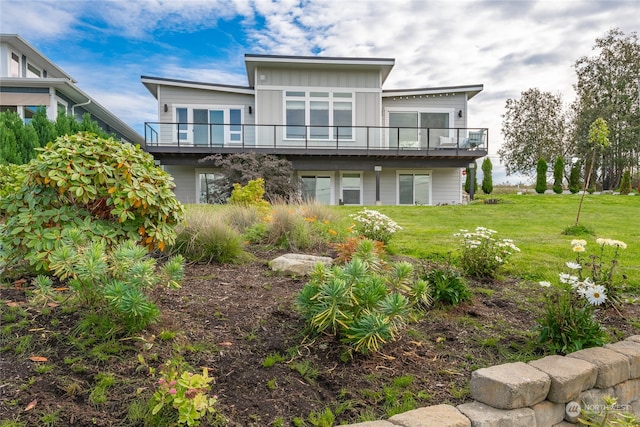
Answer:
(362, 303)
(111, 191)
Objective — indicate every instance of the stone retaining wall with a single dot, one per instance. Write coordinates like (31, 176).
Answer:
(547, 392)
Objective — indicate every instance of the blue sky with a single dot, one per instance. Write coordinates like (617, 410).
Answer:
(508, 46)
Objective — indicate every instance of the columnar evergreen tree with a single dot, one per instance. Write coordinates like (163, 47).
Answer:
(558, 175)
(487, 178)
(541, 176)
(18, 139)
(574, 178)
(625, 185)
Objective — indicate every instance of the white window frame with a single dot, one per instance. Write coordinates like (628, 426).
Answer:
(342, 187)
(332, 177)
(414, 172)
(331, 99)
(227, 119)
(418, 110)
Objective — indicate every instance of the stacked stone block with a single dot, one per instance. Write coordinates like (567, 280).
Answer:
(537, 394)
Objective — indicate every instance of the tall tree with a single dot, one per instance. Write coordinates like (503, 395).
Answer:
(607, 87)
(533, 127)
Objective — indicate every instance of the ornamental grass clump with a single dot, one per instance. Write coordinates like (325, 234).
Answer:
(374, 225)
(482, 254)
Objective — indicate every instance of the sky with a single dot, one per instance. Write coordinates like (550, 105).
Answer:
(508, 46)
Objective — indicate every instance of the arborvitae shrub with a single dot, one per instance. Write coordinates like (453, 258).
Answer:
(558, 175)
(541, 176)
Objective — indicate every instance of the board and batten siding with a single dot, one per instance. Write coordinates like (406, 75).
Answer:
(309, 78)
(429, 102)
(185, 179)
(446, 186)
(192, 97)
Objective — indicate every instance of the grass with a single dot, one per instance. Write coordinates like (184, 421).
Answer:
(535, 222)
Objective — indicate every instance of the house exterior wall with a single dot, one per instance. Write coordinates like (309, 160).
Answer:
(185, 179)
(309, 78)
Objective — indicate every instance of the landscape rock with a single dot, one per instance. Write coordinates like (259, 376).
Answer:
(509, 386)
(569, 376)
(298, 264)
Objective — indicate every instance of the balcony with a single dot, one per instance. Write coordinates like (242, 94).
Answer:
(191, 139)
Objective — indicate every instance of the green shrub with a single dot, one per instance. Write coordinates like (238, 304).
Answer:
(481, 254)
(366, 307)
(541, 176)
(111, 191)
(288, 229)
(251, 194)
(447, 285)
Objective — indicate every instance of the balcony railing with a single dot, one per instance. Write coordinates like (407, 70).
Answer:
(206, 137)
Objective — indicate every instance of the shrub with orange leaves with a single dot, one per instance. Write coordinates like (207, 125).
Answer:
(112, 191)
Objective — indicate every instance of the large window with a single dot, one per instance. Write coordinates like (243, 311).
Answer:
(209, 188)
(316, 188)
(209, 126)
(33, 71)
(418, 129)
(319, 115)
(351, 188)
(414, 188)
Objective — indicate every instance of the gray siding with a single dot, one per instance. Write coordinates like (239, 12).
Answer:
(446, 186)
(176, 96)
(185, 179)
(316, 78)
(454, 102)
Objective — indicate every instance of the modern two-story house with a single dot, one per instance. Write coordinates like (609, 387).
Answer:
(28, 81)
(350, 141)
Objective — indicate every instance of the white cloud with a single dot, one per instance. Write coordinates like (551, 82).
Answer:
(508, 46)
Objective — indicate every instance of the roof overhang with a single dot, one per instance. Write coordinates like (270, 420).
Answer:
(21, 45)
(252, 61)
(75, 94)
(470, 91)
(152, 84)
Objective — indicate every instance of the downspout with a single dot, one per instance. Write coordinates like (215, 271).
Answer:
(73, 107)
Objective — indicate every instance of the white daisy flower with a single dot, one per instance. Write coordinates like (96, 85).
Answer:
(573, 265)
(596, 295)
(545, 284)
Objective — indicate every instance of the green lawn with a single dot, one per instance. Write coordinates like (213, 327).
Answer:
(535, 222)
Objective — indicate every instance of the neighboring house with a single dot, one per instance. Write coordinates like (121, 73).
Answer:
(350, 141)
(28, 81)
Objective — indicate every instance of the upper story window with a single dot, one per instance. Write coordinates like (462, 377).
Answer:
(14, 67)
(33, 71)
(209, 125)
(319, 115)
